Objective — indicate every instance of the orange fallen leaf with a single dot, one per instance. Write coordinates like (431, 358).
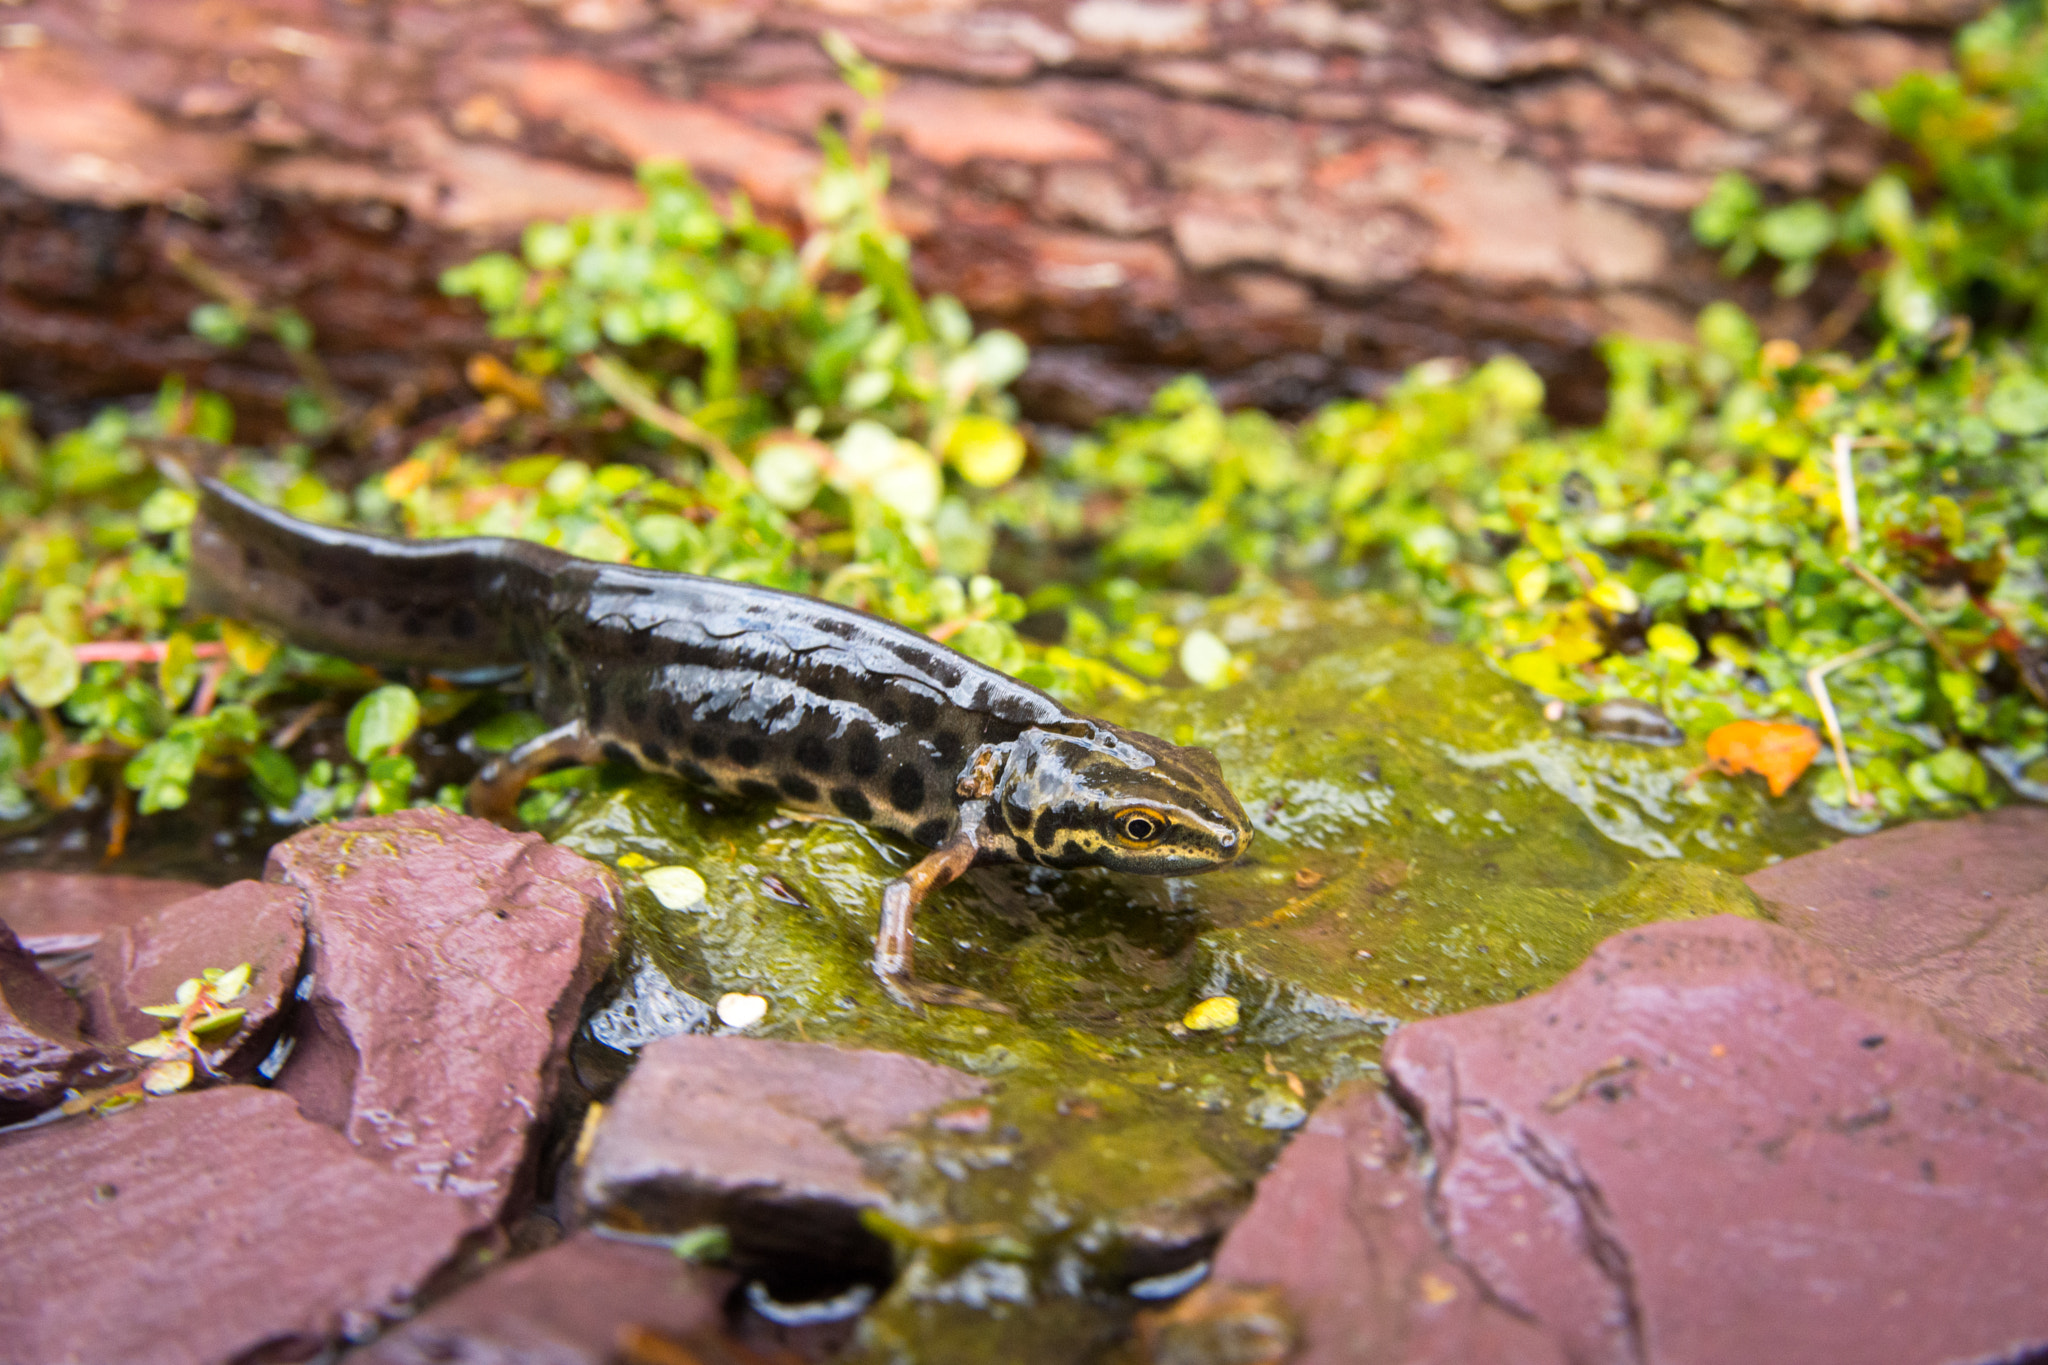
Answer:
(1778, 750)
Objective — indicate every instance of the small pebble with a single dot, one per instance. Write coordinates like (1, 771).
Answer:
(1217, 1012)
(1204, 658)
(737, 1010)
(1630, 720)
(1276, 1109)
(677, 888)
(975, 1118)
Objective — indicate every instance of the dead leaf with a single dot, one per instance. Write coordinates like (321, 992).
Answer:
(1779, 751)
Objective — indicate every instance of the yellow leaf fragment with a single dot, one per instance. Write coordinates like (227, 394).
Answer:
(1214, 1014)
(232, 983)
(167, 1076)
(1611, 594)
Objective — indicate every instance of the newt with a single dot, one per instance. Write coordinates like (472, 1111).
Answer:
(747, 691)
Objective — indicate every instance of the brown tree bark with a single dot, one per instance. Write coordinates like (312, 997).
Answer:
(1296, 197)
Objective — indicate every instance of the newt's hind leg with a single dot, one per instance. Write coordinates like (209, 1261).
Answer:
(894, 944)
(494, 795)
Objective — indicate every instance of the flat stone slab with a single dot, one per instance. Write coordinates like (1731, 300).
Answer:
(198, 1227)
(143, 962)
(449, 959)
(42, 1052)
(1341, 1225)
(44, 905)
(1717, 1142)
(569, 1305)
(760, 1135)
(1952, 912)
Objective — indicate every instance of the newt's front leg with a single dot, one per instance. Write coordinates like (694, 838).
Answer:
(494, 795)
(894, 943)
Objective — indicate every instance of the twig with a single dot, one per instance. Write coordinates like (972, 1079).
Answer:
(628, 392)
(1845, 489)
(1840, 319)
(1570, 1095)
(299, 724)
(119, 820)
(66, 752)
(946, 630)
(1816, 683)
(1899, 604)
(250, 311)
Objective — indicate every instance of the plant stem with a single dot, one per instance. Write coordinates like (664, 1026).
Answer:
(1816, 683)
(1899, 604)
(625, 388)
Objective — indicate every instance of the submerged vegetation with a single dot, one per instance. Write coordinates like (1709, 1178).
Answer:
(1850, 543)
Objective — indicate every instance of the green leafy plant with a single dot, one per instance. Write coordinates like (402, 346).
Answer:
(1744, 516)
(198, 1024)
(1753, 534)
(1957, 232)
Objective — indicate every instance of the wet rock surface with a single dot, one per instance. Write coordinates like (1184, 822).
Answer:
(1427, 842)
(1954, 913)
(1716, 1141)
(1338, 1261)
(1017, 1187)
(769, 1139)
(577, 1303)
(199, 1227)
(449, 960)
(143, 962)
(65, 911)
(42, 1053)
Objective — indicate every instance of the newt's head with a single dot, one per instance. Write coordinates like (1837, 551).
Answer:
(1103, 796)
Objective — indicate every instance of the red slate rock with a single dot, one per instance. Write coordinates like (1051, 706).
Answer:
(41, 1052)
(565, 1306)
(1952, 912)
(72, 905)
(1716, 1142)
(1341, 1223)
(449, 961)
(143, 964)
(200, 1226)
(759, 1135)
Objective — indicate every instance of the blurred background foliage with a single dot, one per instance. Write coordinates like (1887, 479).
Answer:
(1753, 532)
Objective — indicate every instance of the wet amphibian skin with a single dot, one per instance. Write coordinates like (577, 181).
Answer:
(748, 691)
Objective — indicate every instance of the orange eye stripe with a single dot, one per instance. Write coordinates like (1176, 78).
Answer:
(1151, 824)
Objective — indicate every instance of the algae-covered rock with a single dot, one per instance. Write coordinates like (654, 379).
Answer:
(1427, 842)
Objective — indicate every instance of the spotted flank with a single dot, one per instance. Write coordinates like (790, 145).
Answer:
(759, 694)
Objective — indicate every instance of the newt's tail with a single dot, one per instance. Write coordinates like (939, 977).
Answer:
(449, 604)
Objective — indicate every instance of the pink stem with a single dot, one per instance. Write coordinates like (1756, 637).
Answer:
(138, 651)
(209, 687)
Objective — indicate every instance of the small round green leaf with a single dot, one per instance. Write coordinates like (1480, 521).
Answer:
(45, 671)
(1798, 231)
(2019, 405)
(217, 323)
(382, 722)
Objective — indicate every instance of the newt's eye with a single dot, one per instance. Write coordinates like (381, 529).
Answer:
(1139, 827)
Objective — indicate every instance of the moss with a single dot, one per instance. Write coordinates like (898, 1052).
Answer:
(1427, 842)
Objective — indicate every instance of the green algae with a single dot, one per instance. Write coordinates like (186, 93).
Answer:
(1428, 842)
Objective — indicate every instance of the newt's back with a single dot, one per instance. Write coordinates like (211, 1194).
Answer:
(749, 690)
